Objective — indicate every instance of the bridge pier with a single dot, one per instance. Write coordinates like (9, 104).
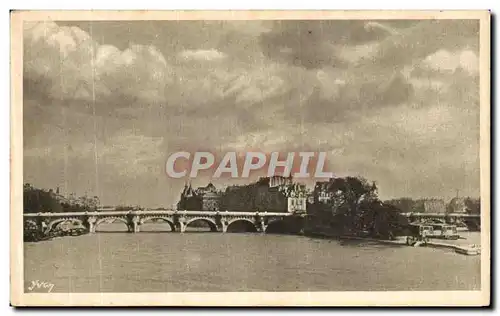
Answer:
(133, 228)
(91, 227)
(261, 223)
(182, 227)
(133, 224)
(41, 226)
(91, 221)
(220, 223)
(262, 227)
(136, 227)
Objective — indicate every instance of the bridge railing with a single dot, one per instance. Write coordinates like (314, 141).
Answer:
(156, 212)
(441, 214)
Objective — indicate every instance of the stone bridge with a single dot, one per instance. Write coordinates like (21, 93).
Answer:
(473, 221)
(452, 217)
(177, 220)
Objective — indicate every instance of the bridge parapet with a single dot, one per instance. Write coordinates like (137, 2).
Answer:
(177, 219)
(442, 215)
(472, 221)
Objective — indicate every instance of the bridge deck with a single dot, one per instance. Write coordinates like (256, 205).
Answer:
(157, 212)
(212, 213)
(442, 214)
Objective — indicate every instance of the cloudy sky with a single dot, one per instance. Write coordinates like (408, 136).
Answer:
(105, 103)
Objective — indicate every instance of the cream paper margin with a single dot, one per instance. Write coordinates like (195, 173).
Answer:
(348, 298)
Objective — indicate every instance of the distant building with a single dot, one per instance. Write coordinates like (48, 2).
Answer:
(457, 205)
(271, 194)
(277, 181)
(405, 205)
(429, 206)
(210, 198)
(204, 198)
(58, 196)
(464, 205)
(189, 200)
(322, 193)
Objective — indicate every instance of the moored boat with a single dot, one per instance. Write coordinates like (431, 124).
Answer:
(418, 234)
(472, 250)
(444, 231)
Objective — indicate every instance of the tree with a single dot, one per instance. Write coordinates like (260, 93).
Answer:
(383, 220)
(405, 205)
(349, 192)
(348, 195)
(473, 205)
(356, 209)
(38, 200)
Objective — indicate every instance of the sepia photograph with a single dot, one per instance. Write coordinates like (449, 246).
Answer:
(250, 158)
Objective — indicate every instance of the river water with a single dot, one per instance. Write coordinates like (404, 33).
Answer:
(202, 261)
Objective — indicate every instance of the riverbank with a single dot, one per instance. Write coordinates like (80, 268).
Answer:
(471, 248)
(397, 241)
(70, 229)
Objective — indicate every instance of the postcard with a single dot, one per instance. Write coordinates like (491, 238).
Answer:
(250, 158)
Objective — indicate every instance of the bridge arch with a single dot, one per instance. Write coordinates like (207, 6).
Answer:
(112, 218)
(53, 224)
(246, 224)
(167, 220)
(211, 222)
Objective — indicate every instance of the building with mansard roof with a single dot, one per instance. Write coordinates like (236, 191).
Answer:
(203, 198)
(430, 205)
(271, 194)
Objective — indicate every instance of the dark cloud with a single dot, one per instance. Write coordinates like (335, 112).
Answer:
(353, 100)
(311, 44)
(393, 92)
